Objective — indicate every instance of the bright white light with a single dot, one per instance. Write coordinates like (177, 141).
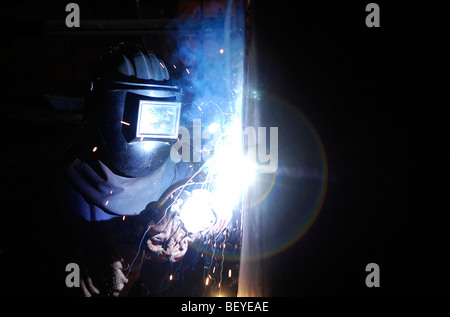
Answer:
(229, 173)
(232, 171)
(234, 175)
(147, 146)
(213, 127)
(196, 213)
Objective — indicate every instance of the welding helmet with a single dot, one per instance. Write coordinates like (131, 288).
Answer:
(132, 111)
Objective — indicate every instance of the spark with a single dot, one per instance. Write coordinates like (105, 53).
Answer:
(170, 277)
(207, 281)
(125, 123)
(255, 94)
(94, 149)
(187, 71)
(162, 65)
(221, 51)
(229, 273)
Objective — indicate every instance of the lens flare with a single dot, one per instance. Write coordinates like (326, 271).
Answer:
(298, 188)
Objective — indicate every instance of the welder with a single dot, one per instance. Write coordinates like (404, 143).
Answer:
(113, 177)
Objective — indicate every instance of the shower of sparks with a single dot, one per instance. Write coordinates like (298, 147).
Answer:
(227, 175)
(208, 210)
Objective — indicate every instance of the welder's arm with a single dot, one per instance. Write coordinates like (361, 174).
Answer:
(156, 233)
(153, 234)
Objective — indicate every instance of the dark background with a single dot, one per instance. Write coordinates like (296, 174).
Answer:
(378, 98)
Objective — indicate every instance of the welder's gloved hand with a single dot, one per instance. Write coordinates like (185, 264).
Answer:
(167, 239)
(101, 276)
(112, 286)
(87, 286)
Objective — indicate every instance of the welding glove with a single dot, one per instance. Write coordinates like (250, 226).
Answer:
(165, 238)
(151, 235)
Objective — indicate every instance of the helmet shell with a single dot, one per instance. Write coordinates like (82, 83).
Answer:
(123, 76)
